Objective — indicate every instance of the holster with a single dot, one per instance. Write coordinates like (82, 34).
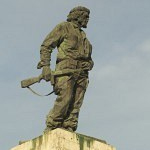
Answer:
(66, 64)
(70, 64)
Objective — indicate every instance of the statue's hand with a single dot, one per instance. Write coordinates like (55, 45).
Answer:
(46, 72)
(86, 66)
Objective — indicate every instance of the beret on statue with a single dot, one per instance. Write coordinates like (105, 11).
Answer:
(80, 8)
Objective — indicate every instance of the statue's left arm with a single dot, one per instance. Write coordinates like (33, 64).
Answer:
(89, 63)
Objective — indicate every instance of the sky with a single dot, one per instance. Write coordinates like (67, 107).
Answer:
(116, 106)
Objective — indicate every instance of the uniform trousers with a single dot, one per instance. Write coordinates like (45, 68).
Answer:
(65, 112)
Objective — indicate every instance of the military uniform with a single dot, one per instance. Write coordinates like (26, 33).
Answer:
(74, 50)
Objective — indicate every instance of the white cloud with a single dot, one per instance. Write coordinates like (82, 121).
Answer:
(125, 67)
(144, 46)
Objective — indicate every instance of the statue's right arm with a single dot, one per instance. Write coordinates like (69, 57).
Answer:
(53, 39)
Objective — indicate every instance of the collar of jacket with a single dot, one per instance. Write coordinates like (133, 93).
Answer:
(75, 25)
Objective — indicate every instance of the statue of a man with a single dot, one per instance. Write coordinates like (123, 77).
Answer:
(74, 52)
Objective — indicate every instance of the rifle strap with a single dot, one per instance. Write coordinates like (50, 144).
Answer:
(38, 93)
(75, 77)
(45, 94)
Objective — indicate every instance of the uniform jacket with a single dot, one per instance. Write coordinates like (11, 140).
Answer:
(72, 45)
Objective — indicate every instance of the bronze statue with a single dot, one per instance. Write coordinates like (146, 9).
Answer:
(70, 78)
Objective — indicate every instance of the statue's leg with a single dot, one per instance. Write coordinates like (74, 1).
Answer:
(71, 120)
(56, 116)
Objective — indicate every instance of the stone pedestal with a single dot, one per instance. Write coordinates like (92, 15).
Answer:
(60, 139)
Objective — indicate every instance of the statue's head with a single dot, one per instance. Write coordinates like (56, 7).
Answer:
(79, 15)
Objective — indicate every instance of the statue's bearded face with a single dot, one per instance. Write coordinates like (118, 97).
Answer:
(79, 17)
(85, 20)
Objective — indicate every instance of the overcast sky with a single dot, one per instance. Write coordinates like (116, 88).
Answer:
(117, 103)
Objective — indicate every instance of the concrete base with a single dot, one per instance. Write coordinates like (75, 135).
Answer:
(60, 139)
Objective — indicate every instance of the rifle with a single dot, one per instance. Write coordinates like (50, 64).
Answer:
(27, 82)
(30, 81)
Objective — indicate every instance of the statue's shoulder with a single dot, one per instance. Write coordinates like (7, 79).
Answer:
(63, 24)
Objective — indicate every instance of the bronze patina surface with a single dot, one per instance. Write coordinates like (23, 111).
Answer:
(74, 53)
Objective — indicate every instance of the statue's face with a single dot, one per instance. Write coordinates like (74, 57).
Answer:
(85, 19)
